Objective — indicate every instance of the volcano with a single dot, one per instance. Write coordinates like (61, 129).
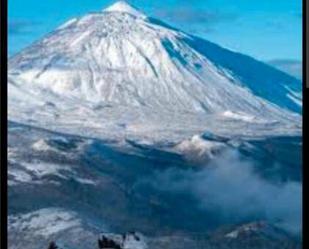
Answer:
(127, 133)
(118, 72)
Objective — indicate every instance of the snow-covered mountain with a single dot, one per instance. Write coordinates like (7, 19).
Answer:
(117, 120)
(117, 72)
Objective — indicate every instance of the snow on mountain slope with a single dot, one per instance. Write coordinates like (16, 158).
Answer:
(36, 229)
(123, 6)
(118, 72)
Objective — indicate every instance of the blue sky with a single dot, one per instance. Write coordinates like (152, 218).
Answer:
(264, 29)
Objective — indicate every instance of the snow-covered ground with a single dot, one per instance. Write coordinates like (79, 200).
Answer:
(78, 187)
(45, 222)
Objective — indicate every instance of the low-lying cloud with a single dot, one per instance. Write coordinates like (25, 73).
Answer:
(231, 187)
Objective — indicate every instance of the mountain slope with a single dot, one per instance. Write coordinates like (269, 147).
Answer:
(120, 67)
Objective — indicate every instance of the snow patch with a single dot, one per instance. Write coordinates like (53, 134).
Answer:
(41, 145)
(199, 149)
(12, 153)
(41, 169)
(239, 116)
(85, 181)
(256, 228)
(45, 222)
(123, 6)
(132, 240)
(18, 176)
(295, 96)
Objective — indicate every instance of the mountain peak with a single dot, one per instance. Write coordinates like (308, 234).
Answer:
(123, 6)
